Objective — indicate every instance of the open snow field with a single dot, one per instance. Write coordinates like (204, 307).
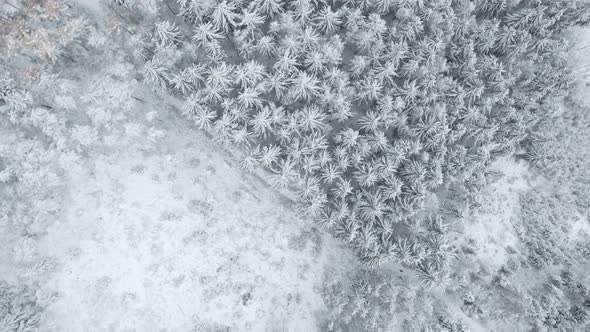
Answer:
(159, 230)
(175, 239)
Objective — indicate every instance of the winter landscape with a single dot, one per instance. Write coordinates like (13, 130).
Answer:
(294, 165)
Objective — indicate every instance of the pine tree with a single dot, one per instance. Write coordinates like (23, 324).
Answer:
(262, 122)
(266, 46)
(196, 11)
(370, 122)
(221, 76)
(330, 173)
(182, 82)
(250, 160)
(240, 136)
(204, 118)
(212, 93)
(284, 175)
(342, 109)
(224, 17)
(414, 172)
(250, 74)
(328, 21)
(195, 74)
(491, 8)
(251, 21)
(302, 9)
(308, 187)
(312, 118)
(297, 151)
(270, 155)
(156, 73)
(286, 65)
(349, 138)
(373, 206)
(343, 189)
(366, 175)
(167, 33)
(277, 84)
(370, 90)
(304, 87)
(205, 35)
(250, 98)
(384, 6)
(20, 310)
(410, 91)
(378, 141)
(309, 39)
(314, 61)
(314, 206)
(268, 7)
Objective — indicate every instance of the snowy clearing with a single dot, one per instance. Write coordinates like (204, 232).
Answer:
(491, 228)
(174, 237)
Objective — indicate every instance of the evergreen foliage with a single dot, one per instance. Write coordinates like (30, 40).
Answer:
(378, 104)
(558, 149)
(546, 230)
(370, 301)
(379, 114)
(18, 309)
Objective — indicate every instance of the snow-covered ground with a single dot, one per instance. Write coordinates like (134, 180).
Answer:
(162, 232)
(174, 238)
(492, 228)
(94, 5)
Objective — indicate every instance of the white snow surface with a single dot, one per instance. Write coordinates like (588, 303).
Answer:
(173, 238)
(579, 60)
(94, 5)
(492, 227)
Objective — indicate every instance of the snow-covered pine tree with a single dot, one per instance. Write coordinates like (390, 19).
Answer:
(167, 33)
(224, 16)
(156, 73)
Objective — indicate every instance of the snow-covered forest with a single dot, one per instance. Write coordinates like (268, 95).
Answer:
(294, 165)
